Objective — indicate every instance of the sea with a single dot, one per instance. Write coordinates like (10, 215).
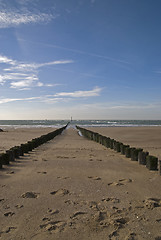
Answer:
(84, 123)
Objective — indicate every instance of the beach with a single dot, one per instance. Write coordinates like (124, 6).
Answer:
(74, 188)
(146, 137)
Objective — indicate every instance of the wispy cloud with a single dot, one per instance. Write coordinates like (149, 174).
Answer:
(77, 94)
(25, 67)
(11, 18)
(4, 59)
(7, 100)
(59, 97)
(23, 75)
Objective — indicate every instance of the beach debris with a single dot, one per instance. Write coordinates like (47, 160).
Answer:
(1, 130)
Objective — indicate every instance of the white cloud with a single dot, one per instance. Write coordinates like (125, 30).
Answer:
(49, 99)
(22, 84)
(23, 75)
(15, 18)
(4, 59)
(7, 100)
(95, 92)
(27, 67)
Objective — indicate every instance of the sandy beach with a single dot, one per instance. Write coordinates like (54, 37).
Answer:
(148, 138)
(73, 188)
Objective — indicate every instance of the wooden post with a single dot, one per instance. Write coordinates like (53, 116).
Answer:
(4, 158)
(134, 153)
(10, 152)
(142, 157)
(122, 148)
(128, 152)
(151, 162)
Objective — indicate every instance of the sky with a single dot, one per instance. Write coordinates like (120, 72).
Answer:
(89, 59)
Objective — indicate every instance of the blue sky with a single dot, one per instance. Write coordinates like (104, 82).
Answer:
(90, 59)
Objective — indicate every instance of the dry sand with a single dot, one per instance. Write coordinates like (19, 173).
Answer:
(11, 137)
(148, 138)
(72, 188)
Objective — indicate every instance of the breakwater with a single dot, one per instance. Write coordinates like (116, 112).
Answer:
(135, 154)
(15, 152)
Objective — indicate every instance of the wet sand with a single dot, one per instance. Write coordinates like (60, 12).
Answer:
(73, 188)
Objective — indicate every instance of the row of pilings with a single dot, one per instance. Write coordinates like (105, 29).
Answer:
(17, 151)
(135, 154)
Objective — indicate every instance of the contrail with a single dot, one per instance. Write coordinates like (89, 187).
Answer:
(77, 51)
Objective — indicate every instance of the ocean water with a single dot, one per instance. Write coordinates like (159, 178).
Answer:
(85, 123)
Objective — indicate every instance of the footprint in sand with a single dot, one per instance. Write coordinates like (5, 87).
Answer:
(151, 203)
(56, 226)
(7, 229)
(53, 211)
(42, 172)
(131, 236)
(11, 172)
(18, 206)
(64, 178)
(120, 182)
(111, 199)
(76, 214)
(30, 195)
(9, 214)
(94, 178)
(62, 157)
(60, 192)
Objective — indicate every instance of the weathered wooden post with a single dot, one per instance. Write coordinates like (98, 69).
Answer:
(111, 143)
(128, 152)
(122, 148)
(10, 152)
(4, 158)
(142, 157)
(151, 162)
(16, 151)
(108, 142)
(118, 146)
(134, 153)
